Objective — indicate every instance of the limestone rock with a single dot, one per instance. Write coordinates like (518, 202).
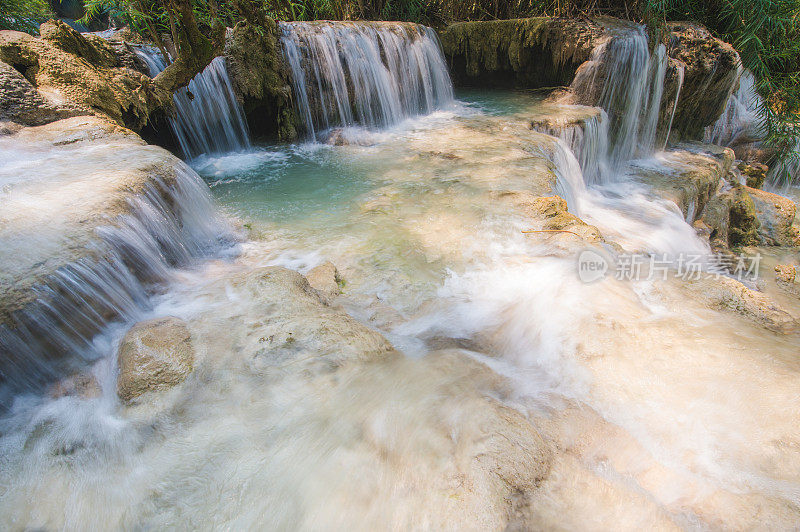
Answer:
(786, 273)
(154, 355)
(754, 172)
(257, 70)
(710, 72)
(552, 213)
(776, 214)
(729, 294)
(694, 176)
(23, 104)
(83, 385)
(743, 223)
(326, 280)
(525, 53)
(83, 74)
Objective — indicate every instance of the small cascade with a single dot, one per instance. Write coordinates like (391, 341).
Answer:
(741, 121)
(364, 74)
(626, 81)
(587, 139)
(208, 118)
(168, 225)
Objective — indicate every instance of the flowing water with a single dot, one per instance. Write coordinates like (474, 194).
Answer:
(372, 75)
(661, 411)
(208, 118)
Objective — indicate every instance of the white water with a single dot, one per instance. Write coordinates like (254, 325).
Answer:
(208, 118)
(168, 225)
(370, 75)
(629, 83)
(741, 121)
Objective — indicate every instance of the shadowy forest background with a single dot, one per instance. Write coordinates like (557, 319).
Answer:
(765, 32)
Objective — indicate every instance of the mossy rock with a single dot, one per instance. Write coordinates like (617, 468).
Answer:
(523, 53)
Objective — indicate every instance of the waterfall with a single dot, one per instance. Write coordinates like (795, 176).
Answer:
(741, 121)
(168, 225)
(208, 118)
(625, 80)
(364, 74)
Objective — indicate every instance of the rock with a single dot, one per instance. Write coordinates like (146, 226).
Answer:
(81, 74)
(743, 224)
(292, 324)
(23, 104)
(710, 71)
(523, 53)
(257, 70)
(326, 280)
(729, 294)
(83, 385)
(785, 273)
(154, 355)
(776, 214)
(691, 176)
(552, 216)
(754, 172)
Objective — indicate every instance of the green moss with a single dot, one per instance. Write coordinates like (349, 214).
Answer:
(744, 224)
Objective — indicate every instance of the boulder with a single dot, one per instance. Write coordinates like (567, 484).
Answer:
(260, 80)
(154, 355)
(82, 74)
(21, 103)
(729, 294)
(523, 53)
(786, 273)
(326, 280)
(776, 214)
(550, 215)
(710, 71)
(754, 173)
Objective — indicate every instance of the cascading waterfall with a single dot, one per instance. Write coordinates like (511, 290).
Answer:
(741, 121)
(168, 225)
(208, 118)
(364, 74)
(628, 83)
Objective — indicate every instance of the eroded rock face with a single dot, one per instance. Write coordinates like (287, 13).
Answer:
(256, 67)
(21, 103)
(154, 355)
(776, 214)
(529, 53)
(710, 72)
(326, 280)
(77, 74)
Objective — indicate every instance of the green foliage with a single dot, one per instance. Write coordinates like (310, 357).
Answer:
(23, 15)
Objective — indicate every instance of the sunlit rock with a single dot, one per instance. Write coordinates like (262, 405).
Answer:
(326, 279)
(154, 355)
(776, 214)
(81, 75)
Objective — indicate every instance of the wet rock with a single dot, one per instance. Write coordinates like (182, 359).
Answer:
(296, 323)
(729, 294)
(743, 224)
(785, 273)
(154, 355)
(776, 214)
(326, 280)
(23, 104)
(554, 216)
(83, 385)
(80, 74)
(690, 177)
(526, 53)
(710, 71)
(260, 80)
(755, 173)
